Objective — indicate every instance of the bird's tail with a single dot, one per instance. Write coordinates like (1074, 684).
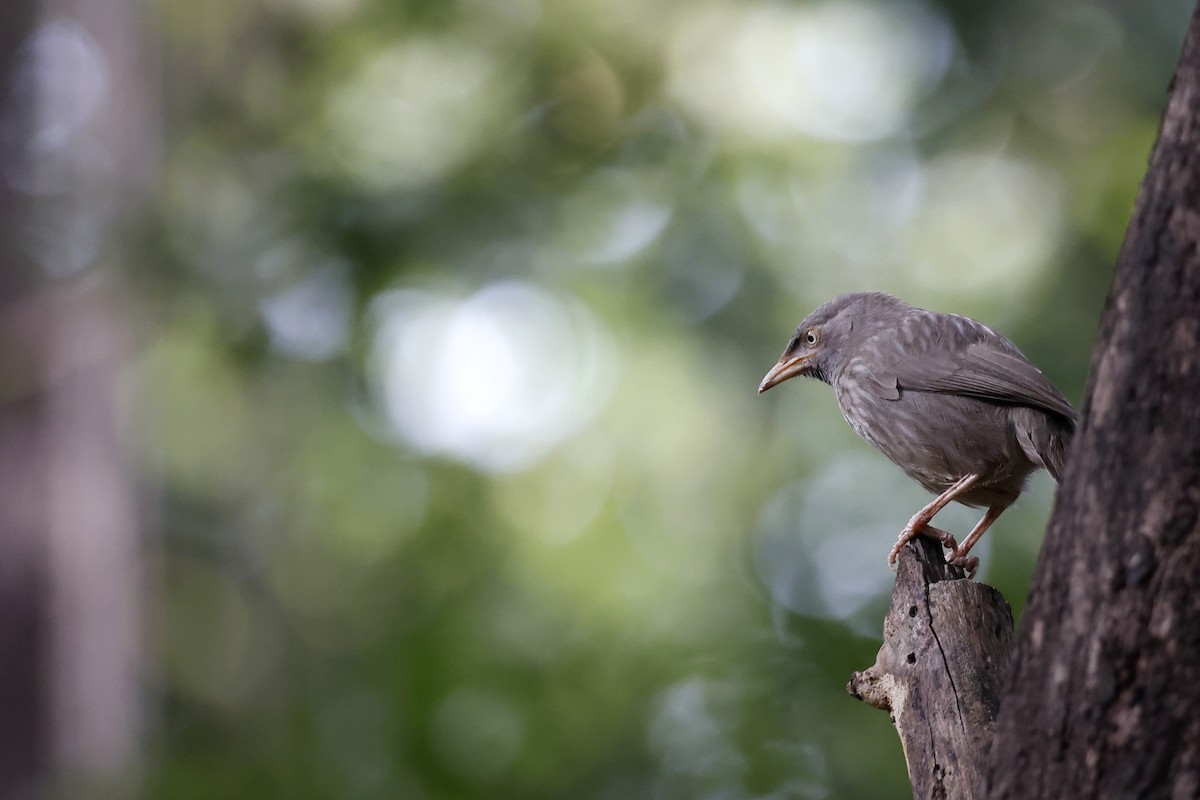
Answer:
(1046, 439)
(1055, 455)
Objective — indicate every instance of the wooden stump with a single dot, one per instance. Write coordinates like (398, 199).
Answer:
(946, 647)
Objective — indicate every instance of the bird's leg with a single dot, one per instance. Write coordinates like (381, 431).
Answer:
(920, 520)
(959, 557)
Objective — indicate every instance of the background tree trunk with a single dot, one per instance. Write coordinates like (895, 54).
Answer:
(1103, 699)
(70, 626)
(24, 590)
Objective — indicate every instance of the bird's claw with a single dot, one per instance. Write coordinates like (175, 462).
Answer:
(945, 537)
(914, 529)
(969, 564)
(907, 535)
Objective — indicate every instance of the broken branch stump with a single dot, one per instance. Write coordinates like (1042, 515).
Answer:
(946, 647)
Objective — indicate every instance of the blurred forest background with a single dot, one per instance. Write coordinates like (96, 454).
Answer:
(437, 327)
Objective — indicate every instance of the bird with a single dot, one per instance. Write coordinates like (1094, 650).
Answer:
(954, 404)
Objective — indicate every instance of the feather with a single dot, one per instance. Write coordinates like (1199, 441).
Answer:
(982, 369)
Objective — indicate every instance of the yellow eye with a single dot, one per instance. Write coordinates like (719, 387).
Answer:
(811, 337)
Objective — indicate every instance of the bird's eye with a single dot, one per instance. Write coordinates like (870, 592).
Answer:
(811, 337)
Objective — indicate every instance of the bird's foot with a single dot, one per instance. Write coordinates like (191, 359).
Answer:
(945, 537)
(905, 537)
(915, 527)
(969, 564)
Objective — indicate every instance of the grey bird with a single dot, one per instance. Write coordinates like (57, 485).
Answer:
(953, 403)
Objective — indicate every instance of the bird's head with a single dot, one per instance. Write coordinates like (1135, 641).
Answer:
(831, 334)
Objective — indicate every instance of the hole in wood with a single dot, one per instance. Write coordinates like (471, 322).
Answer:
(912, 611)
(912, 658)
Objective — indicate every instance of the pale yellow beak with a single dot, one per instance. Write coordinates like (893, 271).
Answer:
(786, 368)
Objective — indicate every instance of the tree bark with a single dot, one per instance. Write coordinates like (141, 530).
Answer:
(1103, 699)
(946, 648)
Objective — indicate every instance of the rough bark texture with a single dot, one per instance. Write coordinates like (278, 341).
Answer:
(1103, 699)
(946, 647)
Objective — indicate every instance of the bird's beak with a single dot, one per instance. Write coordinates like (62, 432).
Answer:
(786, 368)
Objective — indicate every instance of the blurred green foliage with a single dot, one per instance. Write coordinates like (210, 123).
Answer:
(454, 314)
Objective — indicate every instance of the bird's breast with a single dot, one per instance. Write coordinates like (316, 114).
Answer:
(862, 407)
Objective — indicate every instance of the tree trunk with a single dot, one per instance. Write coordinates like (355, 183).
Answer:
(24, 590)
(69, 579)
(1103, 699)
(946, 647)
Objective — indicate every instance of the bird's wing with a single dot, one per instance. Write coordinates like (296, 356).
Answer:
(981, 370)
